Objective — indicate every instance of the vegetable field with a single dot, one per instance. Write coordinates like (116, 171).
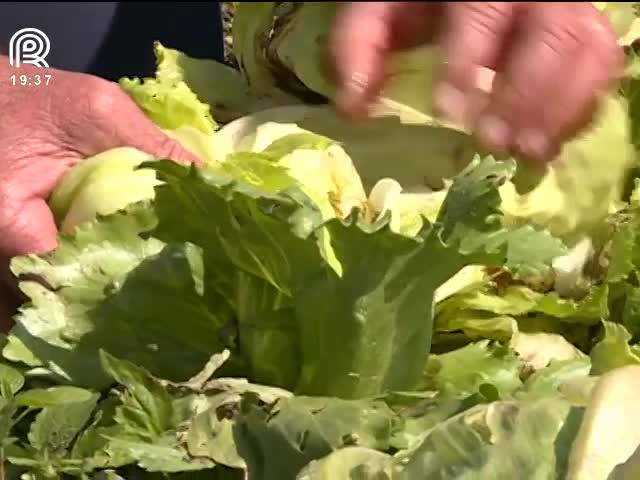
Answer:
(325, 300)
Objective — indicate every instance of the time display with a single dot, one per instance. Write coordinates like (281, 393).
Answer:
(30, 80)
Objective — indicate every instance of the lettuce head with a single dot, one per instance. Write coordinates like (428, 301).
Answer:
(571, 196)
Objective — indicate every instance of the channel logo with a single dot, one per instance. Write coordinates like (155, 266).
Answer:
(29, 46)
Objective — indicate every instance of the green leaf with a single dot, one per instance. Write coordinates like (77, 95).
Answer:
(631, 312)
(156, 457)
(7, 424)
(613, 351)
(212, 437)
(55, 427)
(631, 91)
(621, 256)
(466, 370)
(549, 381)
(11, 381)
(515, 301)
(279, 442)
(381, 302)
(139, 321)
(90, 443)
(537, 350)
(53, 396)
(354, 463)
(258, 170)
(594, 306)
(113, 290)
(147, 409)
(476, 325)
(289, 143)
(498, 440)
(220, 86)
(381, 308)
(101, 185)
(246, 236)
(268, 331)
(79, 275)
(252, 23)
(470, 216)
(422, 411)
(170, 104)
(304, 58)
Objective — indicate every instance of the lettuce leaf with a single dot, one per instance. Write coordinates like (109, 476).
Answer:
(385, 285)
(101, 289)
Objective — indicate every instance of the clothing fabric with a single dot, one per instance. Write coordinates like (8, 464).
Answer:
(115, 39)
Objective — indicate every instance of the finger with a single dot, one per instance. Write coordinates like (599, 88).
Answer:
(365, 35)
(583, 102)
(522, 87)
(473, 41)
(567, 110)
(359, 45)
(116, 121)
(524, 108)
(28, 229)
(144, 135)
(571, 106)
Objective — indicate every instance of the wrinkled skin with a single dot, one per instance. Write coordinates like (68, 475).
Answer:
(51, 128)
(552, 62)
(46, 129)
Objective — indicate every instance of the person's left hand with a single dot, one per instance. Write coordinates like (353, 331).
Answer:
(553, 62)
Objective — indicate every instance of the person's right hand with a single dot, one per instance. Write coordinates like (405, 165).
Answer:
(552, 63)
(48, 128)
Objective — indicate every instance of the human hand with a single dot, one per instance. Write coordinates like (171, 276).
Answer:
(552, 62)
(46, 129)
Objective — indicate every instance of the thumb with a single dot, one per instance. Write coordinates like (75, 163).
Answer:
(117, 121)
(149, 138)
(29, 228)
(27, 225)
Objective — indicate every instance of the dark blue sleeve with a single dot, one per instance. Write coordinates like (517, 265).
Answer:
(115, 39)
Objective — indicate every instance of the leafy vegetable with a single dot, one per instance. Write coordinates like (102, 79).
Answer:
(325, 300)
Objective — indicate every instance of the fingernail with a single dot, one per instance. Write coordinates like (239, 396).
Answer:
(533, 143)
(493, 131)
(450, 102)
